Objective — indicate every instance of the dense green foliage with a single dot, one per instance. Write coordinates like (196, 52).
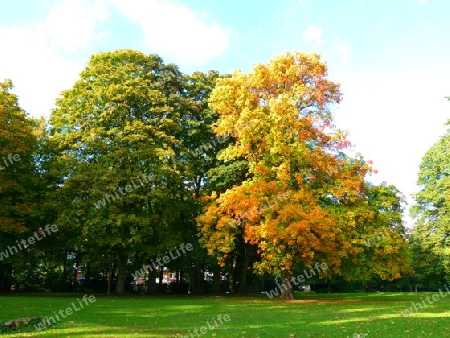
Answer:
(431, 237)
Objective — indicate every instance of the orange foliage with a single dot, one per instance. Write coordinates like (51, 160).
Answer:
(297, 205)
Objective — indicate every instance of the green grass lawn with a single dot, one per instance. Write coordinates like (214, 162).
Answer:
(311, 315)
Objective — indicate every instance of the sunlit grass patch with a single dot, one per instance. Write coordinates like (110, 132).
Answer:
(310, 315)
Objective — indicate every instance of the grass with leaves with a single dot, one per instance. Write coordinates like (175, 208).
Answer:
(310, 315)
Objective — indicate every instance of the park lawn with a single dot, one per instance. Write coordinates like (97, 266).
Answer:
(311, 315)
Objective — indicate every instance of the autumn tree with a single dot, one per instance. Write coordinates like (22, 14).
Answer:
(18, 181)
(296, 204)
(118, 158)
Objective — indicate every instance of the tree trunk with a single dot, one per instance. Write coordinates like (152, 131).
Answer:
(151, 282)
(244, 269)
(177, 276)
(121, 274)
(161, 276)
(198, 278)
(232, 281)
(109, 276)
(5, 277)
(108, 283)
(181, 276)
(216, 280)
(86, 278)
(287, 290)
(201, 277)
(65, 278)
(74, 278)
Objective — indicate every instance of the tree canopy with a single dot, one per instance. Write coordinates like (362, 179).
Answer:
(303, 199)
(431, 210)
(247, 169)
(122, 176)
(19, 197)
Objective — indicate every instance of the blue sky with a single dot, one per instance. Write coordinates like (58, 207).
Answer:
(391, 57)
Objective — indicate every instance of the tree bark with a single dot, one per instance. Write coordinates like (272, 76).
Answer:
(121, 274)
(151, 282)
(216, 280)
(198, 278)
(244, 269)
(161, 276)
(87, 276)
(232, 281)
(109, 276)
(287, 290)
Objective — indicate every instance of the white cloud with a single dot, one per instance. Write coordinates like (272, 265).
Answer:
(175, 31)
(389, 127)
(71, 24)
(314, 34)
(45, 58)
(343, 49)
(422, 2)
(32, 57)
(37, 72)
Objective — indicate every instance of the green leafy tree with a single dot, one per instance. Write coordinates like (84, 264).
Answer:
(119, 157)
(381, 249)
(428, 263)
(432, 228)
